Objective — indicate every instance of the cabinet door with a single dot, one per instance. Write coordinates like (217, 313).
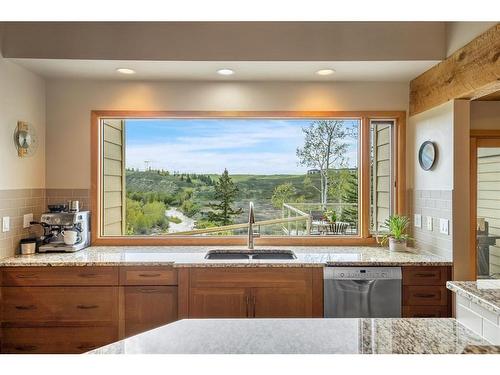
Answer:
(281, 303)
(148, 307)
(218, 303)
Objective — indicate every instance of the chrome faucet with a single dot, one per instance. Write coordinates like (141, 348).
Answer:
(251, 221)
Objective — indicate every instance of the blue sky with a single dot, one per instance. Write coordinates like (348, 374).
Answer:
(243, 146)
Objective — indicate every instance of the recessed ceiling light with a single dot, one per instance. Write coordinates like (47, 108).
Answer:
(125, 71)
(225, 72)
(325, 72)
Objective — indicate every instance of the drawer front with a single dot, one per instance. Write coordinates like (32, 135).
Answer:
(425, 275)
(59, 276)
(250, 277)
(426, 312)
(425, 295)
(59, 305)
(148, 276)
(56, 340)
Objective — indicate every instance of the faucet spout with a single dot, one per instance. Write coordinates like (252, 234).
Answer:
(251, 222)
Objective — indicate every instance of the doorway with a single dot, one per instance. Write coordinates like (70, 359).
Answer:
(485, 204)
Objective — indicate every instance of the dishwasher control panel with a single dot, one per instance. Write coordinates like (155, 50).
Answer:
(362, 273)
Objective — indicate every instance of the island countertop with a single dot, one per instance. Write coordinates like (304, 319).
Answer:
(194, 256)
(304, 336)
(482, 292)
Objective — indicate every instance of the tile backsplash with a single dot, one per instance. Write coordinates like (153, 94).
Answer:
(436, 204)
(17, 202)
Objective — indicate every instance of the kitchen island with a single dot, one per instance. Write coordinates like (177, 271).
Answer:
(304, 336)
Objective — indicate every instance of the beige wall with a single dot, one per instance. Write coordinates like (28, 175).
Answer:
(434, 125)
(69, 103)
(458, 34)
(485, 115)
(22, 98)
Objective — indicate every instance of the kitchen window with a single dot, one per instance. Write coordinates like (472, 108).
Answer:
(188, 177)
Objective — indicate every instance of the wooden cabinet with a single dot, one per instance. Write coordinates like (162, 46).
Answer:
(282, 302)
(255, 293)
(76, 309)
(148, 307)
(219, 302)
(425, 293)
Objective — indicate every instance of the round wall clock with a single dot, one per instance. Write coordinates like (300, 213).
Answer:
(25, 139)
(427, 155)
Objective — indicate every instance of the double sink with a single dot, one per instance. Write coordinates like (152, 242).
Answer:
(250, 254)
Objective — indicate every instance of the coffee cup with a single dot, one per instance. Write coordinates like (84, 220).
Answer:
(70, 237)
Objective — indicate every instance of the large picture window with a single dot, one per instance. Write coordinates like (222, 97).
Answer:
(164, 178)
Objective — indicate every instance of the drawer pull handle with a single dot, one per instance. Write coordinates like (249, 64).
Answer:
(87, 347)
(148, 290)
(25, 307)
(87, 275)
(425, 274)
(31, 276)
(25, 348)
(424, 295)
(150, 274)
(87, 307)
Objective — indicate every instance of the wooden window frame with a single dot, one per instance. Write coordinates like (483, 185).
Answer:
(478, 138)
(363, 238)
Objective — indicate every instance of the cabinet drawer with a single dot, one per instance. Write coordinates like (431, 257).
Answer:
(56, 340)
(148, 276)
(251, 277)
(425, 312)
(59, 276)
(425, 275)
(425, 295)
(59, 305)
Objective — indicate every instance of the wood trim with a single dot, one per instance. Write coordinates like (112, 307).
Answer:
(486, 133)
(183, 293)
(401, 165)
(364, 236)
(469, 73)
(473, 208)
(364, 201)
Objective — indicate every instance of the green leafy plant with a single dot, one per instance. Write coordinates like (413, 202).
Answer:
(396, 228)
(331, 216)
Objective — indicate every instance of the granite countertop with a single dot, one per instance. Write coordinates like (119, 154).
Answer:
(303, 336)
(193, 256)
(482, 292)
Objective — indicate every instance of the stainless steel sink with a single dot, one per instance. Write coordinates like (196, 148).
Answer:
(257, 254)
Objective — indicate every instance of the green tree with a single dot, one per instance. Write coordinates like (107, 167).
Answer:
(283, 193)
(350, 195)
(323, 149)
(225, 193)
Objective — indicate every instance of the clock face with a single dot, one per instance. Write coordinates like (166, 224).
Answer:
(25, 139)
(427, 155)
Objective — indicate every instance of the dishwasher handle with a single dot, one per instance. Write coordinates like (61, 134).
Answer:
(362, 273)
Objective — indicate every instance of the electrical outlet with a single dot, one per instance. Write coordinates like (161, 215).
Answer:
(429, 223)
(26, 220)
(444, 226)
(417, 220)
(5, 224)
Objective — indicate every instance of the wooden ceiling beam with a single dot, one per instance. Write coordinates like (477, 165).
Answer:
(471, 72)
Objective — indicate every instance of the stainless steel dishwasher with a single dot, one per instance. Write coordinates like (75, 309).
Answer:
(362, 292)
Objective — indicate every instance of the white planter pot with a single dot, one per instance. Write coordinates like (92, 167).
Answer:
(397, 245)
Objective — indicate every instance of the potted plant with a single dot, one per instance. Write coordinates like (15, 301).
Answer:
(396, 235)
(331, 216)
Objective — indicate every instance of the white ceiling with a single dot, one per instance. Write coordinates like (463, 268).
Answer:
(381, 71)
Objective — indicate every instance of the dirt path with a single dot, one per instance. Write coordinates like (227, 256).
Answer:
(185, 225)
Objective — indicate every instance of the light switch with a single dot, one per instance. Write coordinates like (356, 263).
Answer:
(444, 226)
(26, 220)
(417, 220)
(429, 223)
(5, 224)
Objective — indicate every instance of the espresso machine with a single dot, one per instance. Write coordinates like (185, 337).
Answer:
(65, 231)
